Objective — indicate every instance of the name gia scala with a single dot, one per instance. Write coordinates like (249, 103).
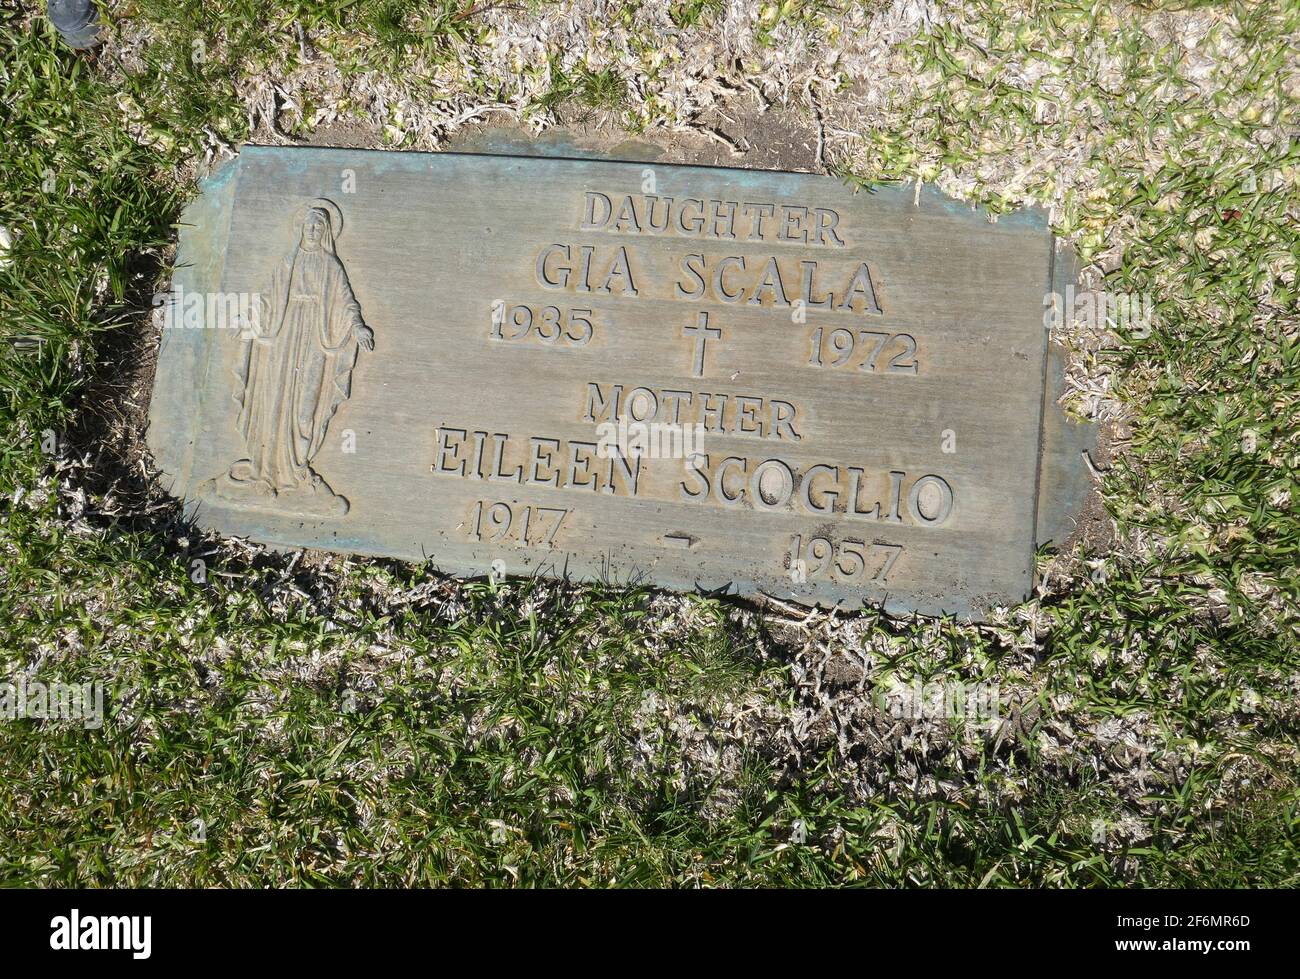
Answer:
(76, 932)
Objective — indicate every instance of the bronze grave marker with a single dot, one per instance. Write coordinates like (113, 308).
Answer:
(700, 377)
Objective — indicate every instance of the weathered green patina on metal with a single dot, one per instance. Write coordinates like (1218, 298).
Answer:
(705, 378)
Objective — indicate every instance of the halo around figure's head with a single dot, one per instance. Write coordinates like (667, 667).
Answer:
(330, 208)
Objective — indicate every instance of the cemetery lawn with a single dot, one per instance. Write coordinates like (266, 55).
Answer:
(305, 719)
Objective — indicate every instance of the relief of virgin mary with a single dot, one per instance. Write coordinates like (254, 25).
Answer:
(293, 371)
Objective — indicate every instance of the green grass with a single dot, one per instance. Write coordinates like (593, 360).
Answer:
(343, 722)
(582, 86)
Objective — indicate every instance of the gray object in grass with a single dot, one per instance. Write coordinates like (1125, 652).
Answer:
(76, 21)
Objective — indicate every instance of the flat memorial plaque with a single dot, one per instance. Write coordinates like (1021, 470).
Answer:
(703, 378)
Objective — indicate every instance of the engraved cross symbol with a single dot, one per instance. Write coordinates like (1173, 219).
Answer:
(703, 333)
